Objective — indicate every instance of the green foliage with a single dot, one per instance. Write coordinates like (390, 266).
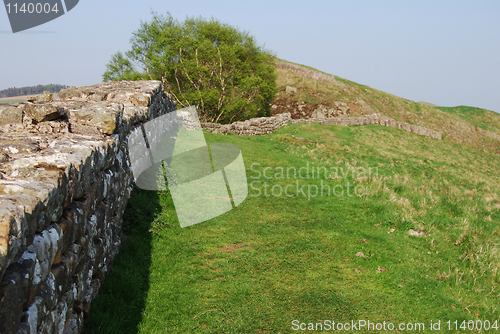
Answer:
(201, 62)
(120, 68)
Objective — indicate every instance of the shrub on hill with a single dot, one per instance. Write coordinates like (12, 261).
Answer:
(201, 62)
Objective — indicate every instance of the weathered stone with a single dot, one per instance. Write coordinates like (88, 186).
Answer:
(30, 274)
(41, 112)
(71, 259)
(106, 116)
(60, 272)
(97, 97)
(59, 316)
(15, 147)
(67, 94)
(25, 268)
(48, 291)
(45, 97)
(73, 324)
(140, 100)
(13, 233)
(62, 196)
(10, 114)
(12, 297)
(34, 314)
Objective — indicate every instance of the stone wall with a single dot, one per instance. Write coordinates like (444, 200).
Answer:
(263, 125)
(375, 119)
(251, 127)
(64, 183)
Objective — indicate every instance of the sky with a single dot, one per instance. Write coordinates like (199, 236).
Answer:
(442, 52)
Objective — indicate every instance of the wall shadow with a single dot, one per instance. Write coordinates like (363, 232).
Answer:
(122, 297)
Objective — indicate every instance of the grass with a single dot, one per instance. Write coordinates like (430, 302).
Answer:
(275, 259)
(477, 117)
(12, 100)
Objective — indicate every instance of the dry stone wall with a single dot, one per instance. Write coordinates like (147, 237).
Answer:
(375, 119)
(64, 183)
(251, 127)
(264, 125)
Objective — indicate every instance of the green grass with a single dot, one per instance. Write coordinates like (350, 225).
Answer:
(13, 100)
(272, 260)
(477, 117)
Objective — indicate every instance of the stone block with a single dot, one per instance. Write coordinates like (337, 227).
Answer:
(106, 116)
(10, 115)
(42, 112)
(48, 292)
(24, 328)
(35, 314)
(45, 97)
(61, 279)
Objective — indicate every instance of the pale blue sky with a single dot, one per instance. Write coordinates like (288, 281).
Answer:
(444, 52)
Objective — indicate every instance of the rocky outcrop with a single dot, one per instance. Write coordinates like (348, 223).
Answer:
(64, 183)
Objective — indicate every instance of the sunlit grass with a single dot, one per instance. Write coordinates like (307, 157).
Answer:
(274, 259)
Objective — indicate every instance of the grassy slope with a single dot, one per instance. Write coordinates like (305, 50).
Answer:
(453, 122)
(275, 259)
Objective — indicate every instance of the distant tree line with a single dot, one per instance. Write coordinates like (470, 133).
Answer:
(31, 90)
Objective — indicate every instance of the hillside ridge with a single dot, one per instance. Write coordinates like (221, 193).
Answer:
(306, 92)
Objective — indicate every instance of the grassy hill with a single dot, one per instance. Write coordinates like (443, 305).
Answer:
(473, 126)
(405, 231)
